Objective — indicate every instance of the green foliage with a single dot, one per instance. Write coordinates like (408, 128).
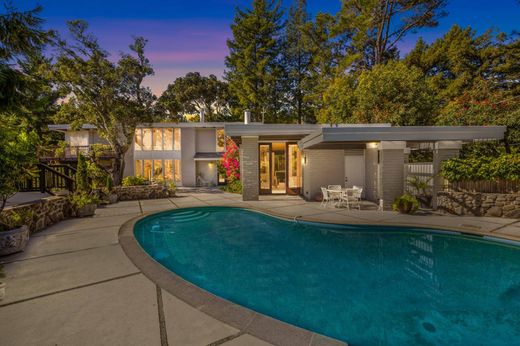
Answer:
(193, 93)
(503, 167)
(134, 180)
(421, 155)
(405, 204)
(96, 174)
(82, 183)
(107, 94)
(109, 184)
(253, 68)
(394, 93)
(15, 219)
(234, 186)
(81, 199)
(17, 154)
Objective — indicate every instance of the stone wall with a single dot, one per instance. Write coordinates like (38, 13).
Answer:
(46, 212)
(480, 204)
(130, 193)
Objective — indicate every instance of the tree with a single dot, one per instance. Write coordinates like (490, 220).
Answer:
(376, 26)
(107, 94)
(253, 64)
(297, 61)
(193, 93)
(394, 93)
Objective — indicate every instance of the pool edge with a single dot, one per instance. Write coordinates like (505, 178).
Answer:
(245, 320)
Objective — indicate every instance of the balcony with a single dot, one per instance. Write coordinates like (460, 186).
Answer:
(71, 152)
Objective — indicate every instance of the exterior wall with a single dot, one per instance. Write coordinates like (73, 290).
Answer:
(321, 168)
(391, 181)
(480, 204)
(78, 138)
(188, 150)
(249, 168)
(206, 140)
(207, 170)
(371, 172)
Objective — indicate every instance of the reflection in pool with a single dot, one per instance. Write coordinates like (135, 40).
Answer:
(366, 285)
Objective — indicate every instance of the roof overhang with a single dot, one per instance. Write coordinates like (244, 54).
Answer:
(67, 127)
(335, 137)
(208, 156)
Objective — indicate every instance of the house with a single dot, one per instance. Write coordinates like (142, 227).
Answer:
(290, 158)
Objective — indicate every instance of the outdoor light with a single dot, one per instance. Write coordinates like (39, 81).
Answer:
(304, 160)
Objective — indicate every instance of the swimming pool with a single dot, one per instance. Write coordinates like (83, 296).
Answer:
(366, 285)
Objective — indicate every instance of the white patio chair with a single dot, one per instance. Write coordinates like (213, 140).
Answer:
(354, 199)
(326, 197)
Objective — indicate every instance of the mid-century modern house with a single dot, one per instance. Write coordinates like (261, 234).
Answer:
(289, 158)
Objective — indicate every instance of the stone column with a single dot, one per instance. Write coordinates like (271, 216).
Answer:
(249, 168)
(443, 150)
(390, 174)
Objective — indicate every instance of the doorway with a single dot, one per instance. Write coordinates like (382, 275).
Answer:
(279, 168)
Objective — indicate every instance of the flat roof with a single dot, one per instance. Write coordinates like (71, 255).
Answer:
(208, 156)
(330, 136)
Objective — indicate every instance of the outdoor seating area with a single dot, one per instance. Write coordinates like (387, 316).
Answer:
(342, 197)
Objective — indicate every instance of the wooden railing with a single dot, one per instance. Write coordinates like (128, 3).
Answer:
(50, 177)
(72, 152)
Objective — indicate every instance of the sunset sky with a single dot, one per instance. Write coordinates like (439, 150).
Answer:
(191, 35)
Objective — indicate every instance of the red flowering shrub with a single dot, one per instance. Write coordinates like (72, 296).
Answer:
(229, 164)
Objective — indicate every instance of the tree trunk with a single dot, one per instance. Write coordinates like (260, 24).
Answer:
(118, 166)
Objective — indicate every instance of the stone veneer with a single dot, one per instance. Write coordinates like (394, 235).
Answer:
(480, 204)
(130, 193)
(46, 212)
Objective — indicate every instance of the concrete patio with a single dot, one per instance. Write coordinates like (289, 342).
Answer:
(75, 285)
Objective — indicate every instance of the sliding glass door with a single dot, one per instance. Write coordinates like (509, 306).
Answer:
(264, 158)
(279, 168)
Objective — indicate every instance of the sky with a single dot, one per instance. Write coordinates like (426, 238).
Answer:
(190, 35)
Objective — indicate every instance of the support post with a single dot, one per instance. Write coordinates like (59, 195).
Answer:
(249, 174)
(443, 150)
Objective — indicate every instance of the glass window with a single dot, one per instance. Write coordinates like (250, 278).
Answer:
(177, 139)
(147, 172)
(138, 168)
(221, 140)
(158, 169)
(177, 166)
(147, 139)
(168, 170)
(265, 173)
(138, 139)
(157, 139)
(168, 139)
(295, 168)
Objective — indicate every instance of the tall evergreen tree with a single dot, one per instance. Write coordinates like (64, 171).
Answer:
(297, 62)
(253, 63)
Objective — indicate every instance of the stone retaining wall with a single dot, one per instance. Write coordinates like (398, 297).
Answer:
(480, 204)
(46, 212)
(130, 193)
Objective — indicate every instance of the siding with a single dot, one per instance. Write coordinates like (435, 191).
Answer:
(249, 168)
(322, 168)
(188, 168)
(391, 175)
(371, 192)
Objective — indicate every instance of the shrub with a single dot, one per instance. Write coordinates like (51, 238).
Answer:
(15, 219)
(79, 200)
(502, 167)
(82, 184)
(405, 204)
(234, 187)
(134, 180)
(109, 184)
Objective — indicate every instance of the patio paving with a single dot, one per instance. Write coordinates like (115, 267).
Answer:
(74, 284)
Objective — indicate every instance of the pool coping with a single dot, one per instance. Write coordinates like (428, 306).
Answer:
(237, 316)
(244, 319)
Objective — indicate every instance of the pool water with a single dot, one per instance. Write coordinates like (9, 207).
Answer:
(366, 285)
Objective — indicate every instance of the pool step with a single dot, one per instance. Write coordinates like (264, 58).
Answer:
(187, 216)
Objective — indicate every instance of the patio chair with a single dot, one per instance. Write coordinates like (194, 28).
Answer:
(354, 199)
(326, 197)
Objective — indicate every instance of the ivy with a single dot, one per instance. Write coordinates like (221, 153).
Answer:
(502, 167)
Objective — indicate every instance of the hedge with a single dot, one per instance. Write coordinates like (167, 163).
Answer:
(502, 167)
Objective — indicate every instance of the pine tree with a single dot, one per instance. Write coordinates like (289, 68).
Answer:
(253, 64)
(297, 59)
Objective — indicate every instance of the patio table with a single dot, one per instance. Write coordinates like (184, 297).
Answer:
(336, 194)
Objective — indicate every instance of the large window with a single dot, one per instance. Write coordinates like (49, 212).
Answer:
(221, 140)
(177, 170)
(138, 139)
(177, 139)
(147, 139)
(157, 139)
(295, 168)
(169, 170)
(168, 139)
